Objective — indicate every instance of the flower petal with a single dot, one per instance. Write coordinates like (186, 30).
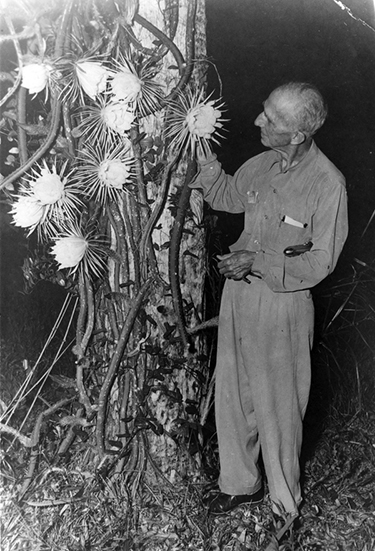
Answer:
(113, 173)
(69, 251)
(27, 212)
(118, 117)
(126, 86)
(35, 77)
(92, 76)
(48, 188)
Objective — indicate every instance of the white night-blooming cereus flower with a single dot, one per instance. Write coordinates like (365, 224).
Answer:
(194, 120)
(35, 76)
(69, 251)
(48, 188)
(105, 170)
(113, 173)
(104, 121)
(136, 86)
(74, 250)
(118, 117)
(27, 212)
(125, 86)
(202, 120)
(92, 77)
(58, 198)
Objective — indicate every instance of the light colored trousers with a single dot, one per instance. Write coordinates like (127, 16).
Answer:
(262, 388)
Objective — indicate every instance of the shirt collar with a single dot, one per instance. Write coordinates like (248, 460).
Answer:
(275, 158)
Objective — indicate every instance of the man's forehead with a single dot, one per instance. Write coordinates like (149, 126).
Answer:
(282, 101)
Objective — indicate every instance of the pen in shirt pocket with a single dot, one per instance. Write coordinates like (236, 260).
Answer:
(288, 220)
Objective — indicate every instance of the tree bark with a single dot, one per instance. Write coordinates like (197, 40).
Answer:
(159, 384)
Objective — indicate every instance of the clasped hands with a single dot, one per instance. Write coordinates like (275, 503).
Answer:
(236, 265)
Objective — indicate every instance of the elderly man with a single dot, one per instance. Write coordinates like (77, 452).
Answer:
(295, 207)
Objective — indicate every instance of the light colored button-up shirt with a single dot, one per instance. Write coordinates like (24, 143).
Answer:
(308, 202)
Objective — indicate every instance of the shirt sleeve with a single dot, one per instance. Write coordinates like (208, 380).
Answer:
(222, 191)
(330, 229)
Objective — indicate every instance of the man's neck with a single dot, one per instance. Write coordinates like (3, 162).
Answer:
(292, 155)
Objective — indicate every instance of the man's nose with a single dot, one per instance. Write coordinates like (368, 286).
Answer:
(259, 121)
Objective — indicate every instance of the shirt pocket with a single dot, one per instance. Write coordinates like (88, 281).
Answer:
(289, 233)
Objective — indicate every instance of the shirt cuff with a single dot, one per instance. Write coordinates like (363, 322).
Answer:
(208, 160)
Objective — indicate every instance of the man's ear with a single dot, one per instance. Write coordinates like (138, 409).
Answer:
(298, 138)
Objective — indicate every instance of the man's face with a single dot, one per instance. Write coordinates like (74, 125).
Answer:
(275, 133)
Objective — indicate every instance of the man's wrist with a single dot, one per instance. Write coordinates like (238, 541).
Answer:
(204, 161)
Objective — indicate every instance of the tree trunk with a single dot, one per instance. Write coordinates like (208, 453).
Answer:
(158, 389)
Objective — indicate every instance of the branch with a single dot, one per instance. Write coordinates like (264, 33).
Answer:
(82, 309)
(68, 128)
(35, 441)
(69, 438)
(135, 138)
(115, 362)
(90, 314)
(23, 35)
(190, 48)
(208, 324)
(66, 110)
(117, 223)
(183, 67)
(24, 440)
(129, 223)
(124, 402)
(111, 313)
(174, 253)
(19, 58)
(158, 207)
(21, 119)
(164, 39)
(86, 312)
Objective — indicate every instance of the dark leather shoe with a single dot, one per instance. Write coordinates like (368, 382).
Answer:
(221, 503)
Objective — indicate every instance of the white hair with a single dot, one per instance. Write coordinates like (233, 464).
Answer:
(310, 108)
